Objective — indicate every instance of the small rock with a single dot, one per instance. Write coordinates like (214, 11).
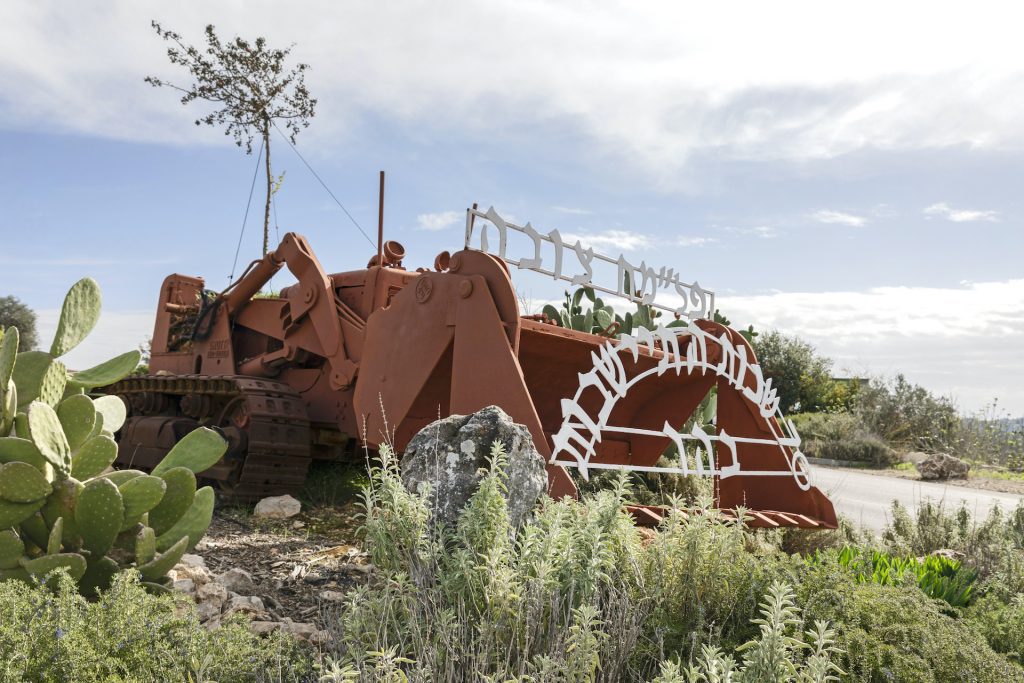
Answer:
(187, 586)
(207, 611)
(212, 623)
(190, 560)
(212, 593)
(198, 574)
(351, 567)
(320, 637)
(249, 604)
(947, 553)
(237, 580)
(332, 596)
(278, 507)
(298, 524)
(300, 629)
(262, 628)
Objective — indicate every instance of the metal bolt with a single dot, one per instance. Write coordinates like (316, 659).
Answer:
(465, 288)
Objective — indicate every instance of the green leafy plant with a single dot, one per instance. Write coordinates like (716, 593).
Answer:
(939, 577)
(61, 507)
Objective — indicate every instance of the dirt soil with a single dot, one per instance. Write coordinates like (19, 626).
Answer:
(293, 562)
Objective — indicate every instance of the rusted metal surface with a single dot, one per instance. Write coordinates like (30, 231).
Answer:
(264, 422)
(379, 353)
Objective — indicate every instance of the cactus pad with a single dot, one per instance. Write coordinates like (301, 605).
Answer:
(53, 543)
(145, 546)
(181, 490)
(11, 549)
(51, 390)
(192, 524)
(47, 434)
(112, 411)
(99, 574)
(121, 476)
(98, 515)
(30, 368)
(35, 531)
(42, 566)
(78, 316)
(62, 503)
(198, 451)
(12, 514)
(141, 494)
(108, 372)
(161, 564)
(13, 449)
(77, 416)
(8, 352)
(8, 408)
(93, 457)
(22, 483)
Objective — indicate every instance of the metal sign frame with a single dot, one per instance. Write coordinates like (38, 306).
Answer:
(646, 281)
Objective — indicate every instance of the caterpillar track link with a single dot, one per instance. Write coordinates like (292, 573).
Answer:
(264, 422)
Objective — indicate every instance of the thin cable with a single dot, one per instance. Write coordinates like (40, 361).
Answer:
(336, 200)
(246, 218)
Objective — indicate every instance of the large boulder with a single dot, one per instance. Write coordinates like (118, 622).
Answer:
(943, 466)
(451, 456)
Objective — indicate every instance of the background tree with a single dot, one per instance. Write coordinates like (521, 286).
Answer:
(13, 313)
(802, 378)
(249, 85)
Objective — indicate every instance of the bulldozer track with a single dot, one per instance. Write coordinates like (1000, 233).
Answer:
(274, 455)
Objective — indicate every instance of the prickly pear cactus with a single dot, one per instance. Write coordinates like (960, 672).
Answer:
(61, 506)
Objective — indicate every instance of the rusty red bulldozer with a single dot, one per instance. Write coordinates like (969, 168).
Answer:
(337, 362)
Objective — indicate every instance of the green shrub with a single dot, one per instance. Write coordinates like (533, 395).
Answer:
(896, 633)
(908, 416)
(777, 654)
(991, 545)
(842, 436)
(56, 636)
(1001, 624)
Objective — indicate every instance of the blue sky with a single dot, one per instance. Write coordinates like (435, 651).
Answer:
(851, 177)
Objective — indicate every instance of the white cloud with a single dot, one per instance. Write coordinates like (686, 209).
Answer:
(651, 83)
(610, 240)
(694, 241)
(838, 218)
(438, 221)
(765, 232)
(944, 210)
(920, 331)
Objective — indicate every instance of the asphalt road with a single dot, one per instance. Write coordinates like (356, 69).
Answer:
(866, 498)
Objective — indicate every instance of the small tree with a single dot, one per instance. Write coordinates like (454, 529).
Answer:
(802, 378)
(250, 87)
(13, 313)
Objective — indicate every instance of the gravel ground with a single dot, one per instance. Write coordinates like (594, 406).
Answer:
(299, 566)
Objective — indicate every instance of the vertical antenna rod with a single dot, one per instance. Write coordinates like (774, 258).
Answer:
(380, 224)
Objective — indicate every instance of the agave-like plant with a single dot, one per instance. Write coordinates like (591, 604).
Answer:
(61, 504)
